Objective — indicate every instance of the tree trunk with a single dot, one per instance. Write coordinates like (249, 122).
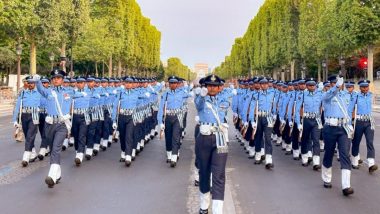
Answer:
(33, 58)
(370, 67)
(63, 56)
(96, 69)
(119, 68)
(282, 75)
(292, 69)
(319, 71)
(103, 68)
(110, 67)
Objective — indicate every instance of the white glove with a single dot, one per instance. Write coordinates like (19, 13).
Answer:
(254, 124)
(36, 77)
(191, 85)
(84, 94)
(235, 115)
(320, 86)
(107, 94)
(290, 124)
(114, 91)
(162, 126)
(97, 96)
(234, 92)
(197, 91)
(232, 86)
(204, 92)
(245, 124)
(300, 127)
(282, 121)
(114, 126)
(275, 117)
(147, 94)
(15, 124)
(340, 81)
(122, 86)
(163, 83)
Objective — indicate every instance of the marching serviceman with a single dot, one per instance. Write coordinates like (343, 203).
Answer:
(124, 107)
(337, 130)
(58, 121)
(262, 122)
(168, 117)
(81, 120)
(41, 126)
(309, 105)
(361, 110)
(27, 113)
(211, 145)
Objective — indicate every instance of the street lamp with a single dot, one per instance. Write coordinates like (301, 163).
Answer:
(51, 57)
(18, 52)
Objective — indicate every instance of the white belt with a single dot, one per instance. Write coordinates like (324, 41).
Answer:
(80, 110)
(126, 111)
(336, 121)
(262, 113)
(28, 109)
(310, 115)
(364, 117)
(56, 119)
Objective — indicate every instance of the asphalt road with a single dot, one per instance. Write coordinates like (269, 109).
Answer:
(151, 186)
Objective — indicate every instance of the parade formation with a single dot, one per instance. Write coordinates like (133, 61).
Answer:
(311, 121)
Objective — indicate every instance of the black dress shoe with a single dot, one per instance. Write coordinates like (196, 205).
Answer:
(316, 167)
(77, 162)
(203, 211)
(63, 148)
(95, 152)
(122, 160)
(251, 157)
(109, 144)
(133, 158)
(288, 153)
(269, 166)
(71, 145)
(327, 185)
(372, 169)
(322, 150)
(360, 161)
(262, 158)
(49, 181)
(173, 164)
(257, 162)
(88, 157)
(141, 149)
(309, 160)
(278, 144)
(355, 167)
(168, 160)
(41, 157)
(348, 191)
(305, 164)
(24, 163)
(196, 183)
(152, 137)
(296, 158)
(128, 163)
(283, 149)
(103, 148)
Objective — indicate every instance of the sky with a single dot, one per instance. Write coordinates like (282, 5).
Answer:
(199, 31)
